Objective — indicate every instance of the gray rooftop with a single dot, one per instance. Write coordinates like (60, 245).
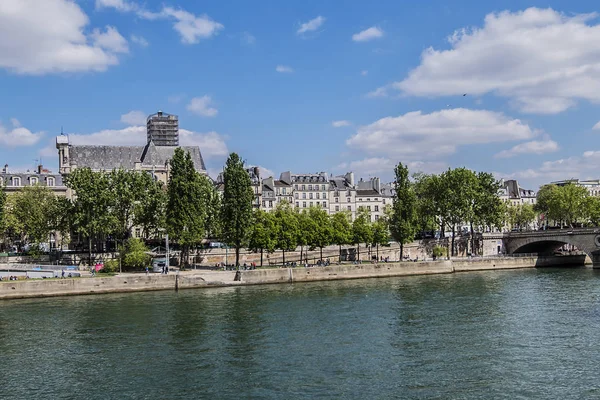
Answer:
(114, 157)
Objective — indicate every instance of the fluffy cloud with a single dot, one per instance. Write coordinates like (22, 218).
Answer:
(368, 34)
(211, 143)
(417, 136)
(192, 28)
(202, 106)
(284, 69)
(339, 124)
(364, 72)
(533, 147)
(248, 38)
(134, 117)
(18, 136)
(139, 40)
(383, 165)
(110, 40)
(583, 166)
(311, 25)
(597, 126)
(540, 59)
(52, 39)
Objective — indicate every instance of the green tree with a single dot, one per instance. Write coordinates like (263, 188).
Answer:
(150, 209)
(213, 215)
(403, 220)
(572, 200)
(134, 254)
(2, 206)
(187, 203)
(361, 229)
(460, 188)
(381, 234)
(341, 230)
(286, 228)
(520, 216)
(263, 236)
(237, 204)
(92, 216)
(487, 208)
(306, 231)
(592, 209)
(322, 230)
(33, 208)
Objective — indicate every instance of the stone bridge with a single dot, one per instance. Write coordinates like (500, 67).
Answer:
(546, 242)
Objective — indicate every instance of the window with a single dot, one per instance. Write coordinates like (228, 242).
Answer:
(283, 191)
(309, 187)
(296, 195)
(348, 199)
(50, 181)
(264, 203)
(303, 195)
(303, 187)
(296, 187)
(311, 203)
(337, 199)
(337, 208)
(322, 187)
(376, 199)
(324, 195)
(368, 199)
(33, 180)
(349, 208)
(348, 194)
(16, 181)
(369, 208)
(297, 204)
(359, 199)
(376, 208)
(324, 204)
(317, 195)
(304, 204)
(277, 190)
(270, 203)
(137, 232)
(384, 201)
(376, 217)
(310, 195)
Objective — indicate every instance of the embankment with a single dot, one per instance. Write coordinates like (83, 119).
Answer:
(203, 279)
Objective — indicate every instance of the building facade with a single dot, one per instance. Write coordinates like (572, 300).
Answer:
(153, 157)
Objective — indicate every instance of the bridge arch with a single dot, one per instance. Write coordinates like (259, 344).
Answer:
(546, 242)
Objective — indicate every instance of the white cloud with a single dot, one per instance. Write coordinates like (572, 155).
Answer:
(364, 72)
(192, 28)
(533, 147)
(284, 69)
(418, 136)
(542, 60)
(110, 40)
(139, 40)
(211, 143)
(597, 126)
(202, 106)
(339, 124)
(134, 117)
(52, 39)
(584, 166)
(311, 25)
(383, 165)
(379, 92)
(248, 38)
(18, 136)
(368, 34)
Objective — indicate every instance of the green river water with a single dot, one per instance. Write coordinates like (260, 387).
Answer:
(521, 334)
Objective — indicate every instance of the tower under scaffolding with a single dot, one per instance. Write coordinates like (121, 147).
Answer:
(163, 129)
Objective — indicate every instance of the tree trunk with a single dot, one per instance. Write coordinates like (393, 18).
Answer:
(358, 251)
(321, 254)
(237, 255)
(340, 254)
(453, 237)
(401, 251)
(377, 251)
(301, 247)
(261, 257)
(472, 239)
(284, 257)
(90, 250)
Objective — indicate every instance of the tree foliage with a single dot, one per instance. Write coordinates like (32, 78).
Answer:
(403, 221)
(263, 235)
(237, 204)
(286, 228)
(361, 228)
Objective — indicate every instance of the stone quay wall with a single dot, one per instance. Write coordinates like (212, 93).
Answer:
(205, 279)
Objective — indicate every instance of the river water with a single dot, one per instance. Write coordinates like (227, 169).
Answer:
(527, 334)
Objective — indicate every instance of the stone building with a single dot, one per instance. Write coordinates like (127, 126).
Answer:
(368, 195)
(13, 181)
(592, 186)
(309, 189)
(511, 192)
(342, 194)
(153, 157)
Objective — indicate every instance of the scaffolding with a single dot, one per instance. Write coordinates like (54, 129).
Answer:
(163, 129)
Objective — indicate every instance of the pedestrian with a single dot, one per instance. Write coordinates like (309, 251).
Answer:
(162, 271)
(147, 271)
(62, 274)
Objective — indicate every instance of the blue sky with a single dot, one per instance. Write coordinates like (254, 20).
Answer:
(311, 86)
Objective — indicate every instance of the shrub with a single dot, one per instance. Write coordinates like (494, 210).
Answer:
(110, 267)
(134, 255)
(439, 251)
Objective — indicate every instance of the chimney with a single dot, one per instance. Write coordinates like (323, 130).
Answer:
(256, 171)
(40, 168)
(5, 170)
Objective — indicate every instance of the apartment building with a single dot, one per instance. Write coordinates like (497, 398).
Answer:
(342, 194)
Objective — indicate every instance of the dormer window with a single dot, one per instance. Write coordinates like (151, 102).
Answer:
(50, 181)
(16, 181)
(33, 180)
